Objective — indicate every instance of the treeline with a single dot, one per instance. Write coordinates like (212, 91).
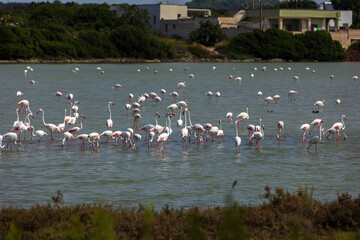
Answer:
(61, 31)
(282, 215)
(274, 43)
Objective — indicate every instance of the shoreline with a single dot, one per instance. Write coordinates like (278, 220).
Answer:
(134, 60)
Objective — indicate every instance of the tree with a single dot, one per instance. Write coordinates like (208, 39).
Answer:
(353, 5)
(208, 34)
(133, 15)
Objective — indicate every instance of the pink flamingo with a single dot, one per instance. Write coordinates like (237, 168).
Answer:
(276, 98)
(291, 94)
(51, 127)
(11, 138)
(163, 137)
(258, 135)
(67, 137)
(339, 126)
(268, 99)
(319, 104)
(305, 127)
(237, 139)
(229, 117)
(316, 139)
(109, 122)
(242, 116)
(316, 122)
(107, 134)
(25, 105)
(280, 127)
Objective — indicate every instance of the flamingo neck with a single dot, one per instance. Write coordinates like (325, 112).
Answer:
(17, 115)
(64, 116)
(185, 119)
(156, 119)
(180, 113)
(236, 130)
(342, 120)
(109, 110)
(189, 118)
(43, 117)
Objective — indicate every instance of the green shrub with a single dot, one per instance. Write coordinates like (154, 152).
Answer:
(199, 51)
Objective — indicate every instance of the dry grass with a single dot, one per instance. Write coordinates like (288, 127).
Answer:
(282, 215)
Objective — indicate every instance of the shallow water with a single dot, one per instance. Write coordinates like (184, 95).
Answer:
(199, 176)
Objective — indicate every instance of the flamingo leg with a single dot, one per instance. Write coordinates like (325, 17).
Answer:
(52, 136)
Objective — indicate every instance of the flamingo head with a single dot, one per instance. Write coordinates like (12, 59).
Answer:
(112, 103)
(57, 129)
(171, 114)
(32, 115)
(77, 102)
(39, 111)
(158, 114)
(344, 117)
(18, 109)
(82, 115)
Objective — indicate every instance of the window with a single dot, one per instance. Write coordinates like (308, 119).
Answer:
(174, 26)
(275, 25)
(154, 19)
(179, 15)
(289, 27)
(166, 28)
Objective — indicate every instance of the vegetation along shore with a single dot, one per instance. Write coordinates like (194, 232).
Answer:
(71, 32)
(282, 215)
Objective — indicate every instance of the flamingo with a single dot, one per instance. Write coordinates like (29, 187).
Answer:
(243, 115)
(332, 76)
(217, 95)
(182, 103)
(163, 137)
(276, 98)
(315, 140)
(51, 127)
(259, 93)
(62, 126)
(339, 126)
(19, 94)
(117, 136)
(1, 139)
(338, 101)
(131, 96)
(191, 75)
(127, 107)
(291, 94)
(151, 139)
(238, 79)
(83, 137)
(126, 135)
(251, 129)
(319, 104)
(237, 139)
(332, 132)
(39, 133)
(107, 134)
(70, 96)
(316, 122)
(93, 139)
(179, 122)
(67, 137)
(137, 138)
(305, 127)
(220, 133)
(184, 131)
(258, 135)
(25, 105)
(174, 95)
(280, 127)
(172, 107)
(229, 117)
(74, 130)
(163, 92)
(58, 94)
(11, 138)
(109, 122)
(137, 123)
(181, 85)
(355, 77)
(268, 99)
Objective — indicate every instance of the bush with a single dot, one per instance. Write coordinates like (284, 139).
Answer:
(208, 34)
(199, 51)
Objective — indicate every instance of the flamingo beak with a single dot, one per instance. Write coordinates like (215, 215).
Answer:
(345, 118)
(37, 111)
(32, 115)
(83, 116)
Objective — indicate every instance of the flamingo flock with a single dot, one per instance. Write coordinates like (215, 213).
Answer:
(70, 129)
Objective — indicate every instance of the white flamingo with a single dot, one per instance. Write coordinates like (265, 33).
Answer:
(51, 127)
(237, 139)
(109, 122)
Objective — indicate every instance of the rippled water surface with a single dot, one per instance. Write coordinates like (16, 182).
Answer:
(199, 176)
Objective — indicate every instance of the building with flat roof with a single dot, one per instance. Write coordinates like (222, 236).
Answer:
(294, 20)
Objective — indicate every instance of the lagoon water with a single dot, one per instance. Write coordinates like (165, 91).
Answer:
(196, 177)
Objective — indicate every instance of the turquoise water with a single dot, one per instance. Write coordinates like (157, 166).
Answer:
(196, 177)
